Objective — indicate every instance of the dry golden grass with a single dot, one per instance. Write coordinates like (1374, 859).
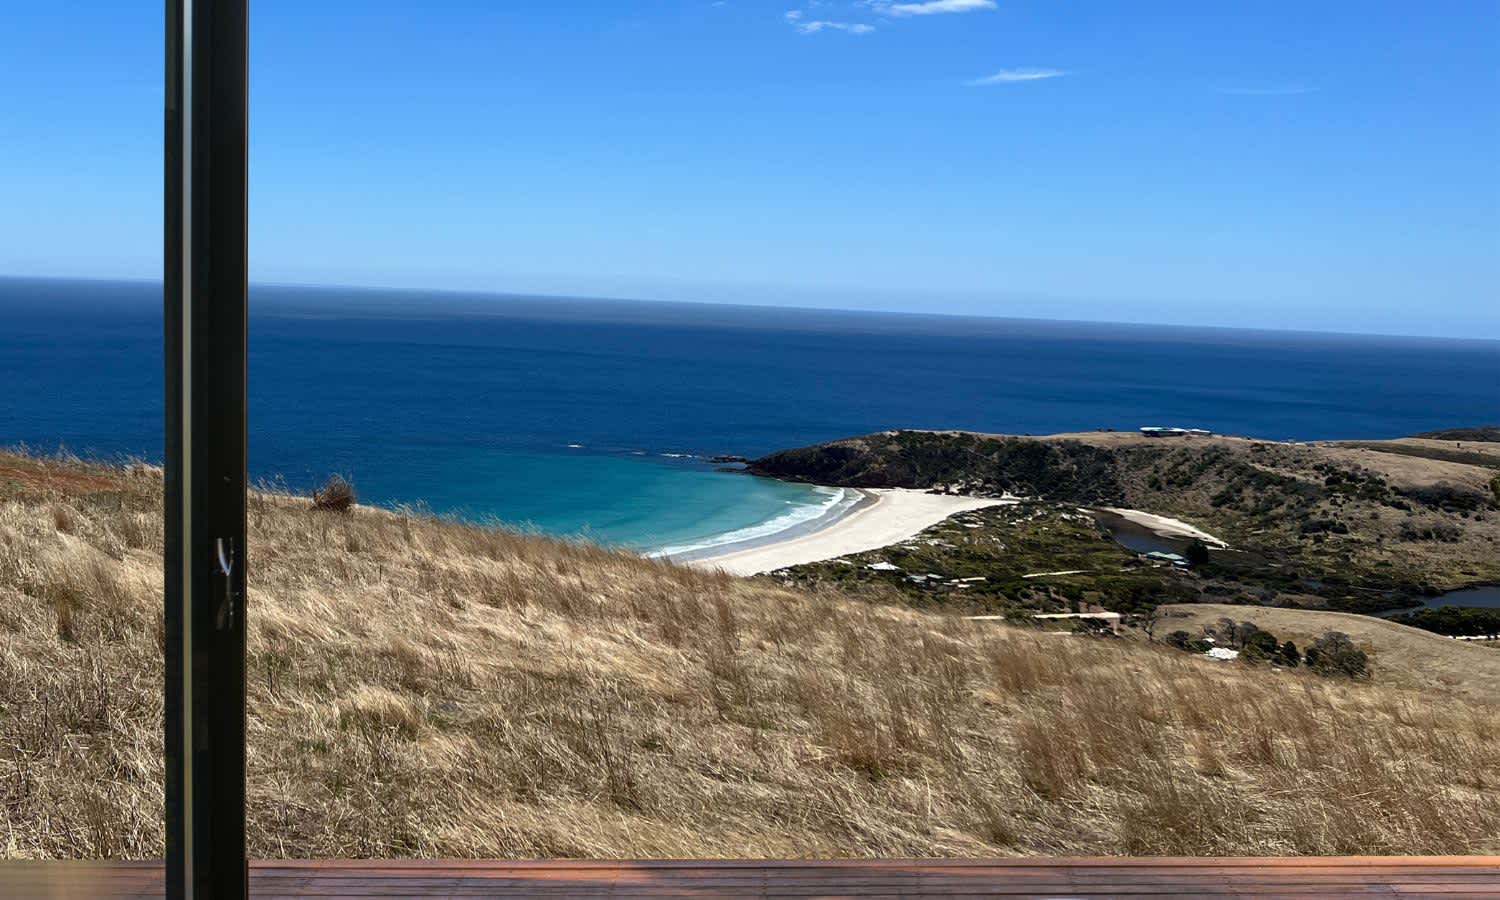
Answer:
(420, 688)
(1402, 656)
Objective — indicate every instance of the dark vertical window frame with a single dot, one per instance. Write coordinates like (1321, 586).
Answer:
(204, 308)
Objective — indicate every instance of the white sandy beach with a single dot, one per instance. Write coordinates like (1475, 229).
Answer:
(894, 515)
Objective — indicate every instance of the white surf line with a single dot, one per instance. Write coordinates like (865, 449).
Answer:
(895, 516)
(836, 500)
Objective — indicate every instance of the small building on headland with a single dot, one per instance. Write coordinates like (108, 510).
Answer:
(1164, 431)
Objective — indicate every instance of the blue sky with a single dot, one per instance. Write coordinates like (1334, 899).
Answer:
(1323, 165)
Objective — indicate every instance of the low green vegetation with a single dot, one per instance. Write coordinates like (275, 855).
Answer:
(1033, 557)
(1333, 653)
(1481, 434)
(1458, 621)
(959, 461)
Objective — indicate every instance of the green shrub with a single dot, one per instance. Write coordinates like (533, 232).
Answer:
(1288, 655)
(1447, 496)
(1184, 641)
(1441, 532)
(1454, 620)
(1260, 646)
(1335, 654)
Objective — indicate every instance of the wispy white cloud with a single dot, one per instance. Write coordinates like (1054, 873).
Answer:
(799, 21)
(798, 18)
(1011, 76)
(929, 7)
(1266, 90)
(817, 25)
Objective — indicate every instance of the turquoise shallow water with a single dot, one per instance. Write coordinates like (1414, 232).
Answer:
(635, 501)
(468, 404)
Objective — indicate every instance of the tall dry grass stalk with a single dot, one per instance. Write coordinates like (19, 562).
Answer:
(421, 688)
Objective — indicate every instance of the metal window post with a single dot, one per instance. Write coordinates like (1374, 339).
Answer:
(204, 285)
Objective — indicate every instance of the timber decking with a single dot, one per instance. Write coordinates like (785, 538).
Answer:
(1302, 878)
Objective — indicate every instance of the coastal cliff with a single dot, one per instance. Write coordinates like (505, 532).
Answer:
(1363, 526)
(961, 461)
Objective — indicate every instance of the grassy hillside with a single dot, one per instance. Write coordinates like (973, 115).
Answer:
(1361, 527)
(419, 688)
(1402, 655)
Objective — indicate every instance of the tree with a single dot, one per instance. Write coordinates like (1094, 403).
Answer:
(1261, 645)
(1335, 654)
(1148, 621)
(1242, 632)
(1222, 632)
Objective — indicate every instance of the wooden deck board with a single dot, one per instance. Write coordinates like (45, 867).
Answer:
(1085, 879)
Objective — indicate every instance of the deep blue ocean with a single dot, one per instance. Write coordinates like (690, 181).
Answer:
(593, 417)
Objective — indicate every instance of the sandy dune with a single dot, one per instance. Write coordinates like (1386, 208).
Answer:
(1166, 527)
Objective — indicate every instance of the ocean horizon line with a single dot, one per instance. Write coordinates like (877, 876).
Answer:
(838, 315)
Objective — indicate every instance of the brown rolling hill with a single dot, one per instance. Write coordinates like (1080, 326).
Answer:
(420, 688)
